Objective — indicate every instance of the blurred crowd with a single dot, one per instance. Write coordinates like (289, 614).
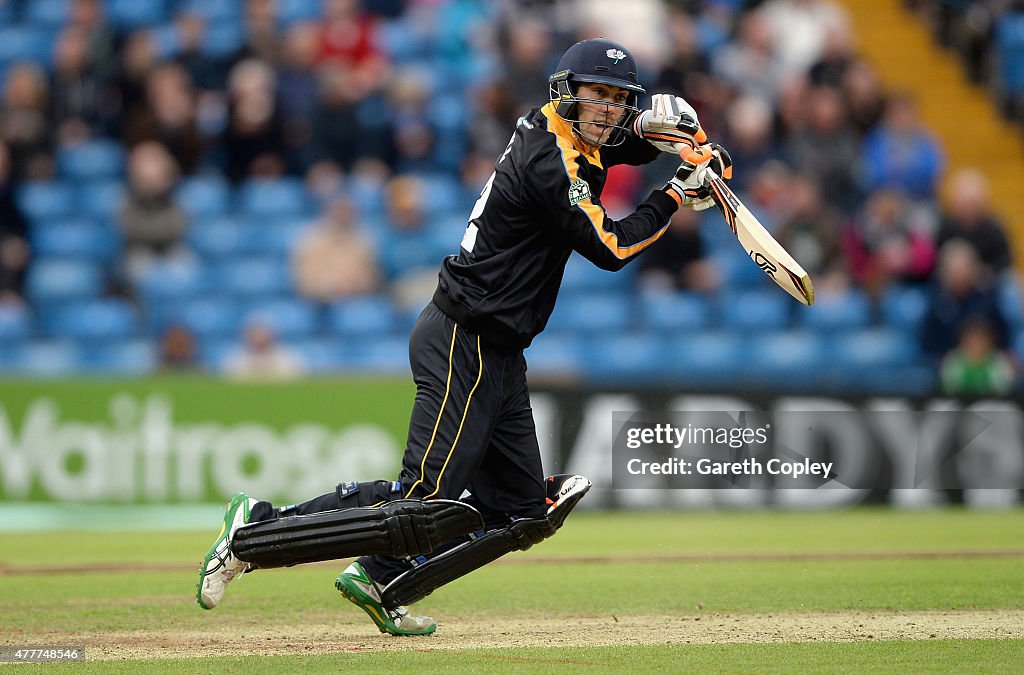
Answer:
(389, 115)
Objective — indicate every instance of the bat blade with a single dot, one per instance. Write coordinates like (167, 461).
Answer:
(759, 244)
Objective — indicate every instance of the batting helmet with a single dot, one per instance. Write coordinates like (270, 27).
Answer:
(599, 61)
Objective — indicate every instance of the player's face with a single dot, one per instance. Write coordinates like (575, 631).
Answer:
(596, 119)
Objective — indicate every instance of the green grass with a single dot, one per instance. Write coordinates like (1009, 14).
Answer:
(536, 584)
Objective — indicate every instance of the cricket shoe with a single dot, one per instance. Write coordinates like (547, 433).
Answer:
(357, 586)
(220, 565)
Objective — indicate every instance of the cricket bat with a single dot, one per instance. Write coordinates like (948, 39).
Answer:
(762, 248)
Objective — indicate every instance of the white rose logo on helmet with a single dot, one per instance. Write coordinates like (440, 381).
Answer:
(616, 54)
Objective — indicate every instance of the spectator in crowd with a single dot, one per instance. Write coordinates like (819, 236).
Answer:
(349, 37)
(749, 64)
(865, 96)
(808, 226)
(100, 37)
(253, 139)
(679, 261)
(415, 137)
(138, 59)
(901, 153)
(527, 57)
(80, 102)
(14, 248)
(827, 148)
(976, 367)
(341, 133)
(750, 139)
(25, 121)
(968, 216)
(409, 255)
(298, 91)
(169, 117)
(261, 356)
(260, 39)
(889, 241)
(152, 224)
(958, 298)
(178, 350)
(837, 55)
(334, 260)
(800, 30)
(686, 70)
(204, 71)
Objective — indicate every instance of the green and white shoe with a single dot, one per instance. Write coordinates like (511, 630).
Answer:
(220, 565)
(357, 586)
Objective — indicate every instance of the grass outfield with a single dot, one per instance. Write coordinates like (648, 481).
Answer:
(685, 591)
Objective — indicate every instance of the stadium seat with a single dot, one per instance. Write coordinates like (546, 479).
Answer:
(219, 238)
(1011, 299)
(15, 324)
(904, 307)
(223, 38)
(378, 355)
(82, 238)
(553, 355)
(172, 280)
(42, 200)
(48, 358)
(838, 311)
(291, 319)
(874, 347)
(47, 13)
(204, 196)
(121, 357)
(253, 276)
(626, 358)
(209, 318)
(322, 355)
(674, 311)
(98, 320)
(708, 358)
(90, 160)
(54, 281)
(786, 360)
(280, 197)
(276, 238)
(214, 10)
(1009, 53)
(290, 11)
(101, 198)
(595, 313)
(762, 309)
(135, 13)
(25, 43)
(373, 315)
(583, 275)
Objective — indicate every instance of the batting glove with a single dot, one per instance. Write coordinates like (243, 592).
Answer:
(670, 124)
(690, 182)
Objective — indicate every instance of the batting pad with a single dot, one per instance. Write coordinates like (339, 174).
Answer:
(406, 527)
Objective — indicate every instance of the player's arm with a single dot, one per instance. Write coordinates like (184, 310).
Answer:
(576, 216)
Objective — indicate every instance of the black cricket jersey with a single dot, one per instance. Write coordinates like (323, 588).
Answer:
(542, 203)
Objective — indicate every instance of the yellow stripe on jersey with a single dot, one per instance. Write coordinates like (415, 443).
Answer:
(568, 146)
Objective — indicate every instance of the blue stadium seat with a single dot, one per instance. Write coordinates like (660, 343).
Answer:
(121, 357)
(135, 13)
(172, 281)
(291, 318)
(904, 307)
(209, 318)
(1011, 299)
(214, 10)
(275, 237)
(373, 315)
(737, 269)
(25, 43)
(15, 324)
(762, 309)
(90, 160)
(214, 351)
(441, 190)
(627, 358)
(322, 355)
(101, 198)
(223, 38)
(675, 311)
(53, 281)
(875, 347)
(708, 358)
(601, 313)
(82, 238)
(290, 11)
(787, 360)
(377, 354)
(100, 320)
(48, 358)
(220, 238)
(553, 356)
(1009, 48)
(204, 196)
(838, 311)
(253, 276)
(47, 13)
(42, 200)
(280, 197)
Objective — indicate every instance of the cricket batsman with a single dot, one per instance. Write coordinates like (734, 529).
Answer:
(471, 487)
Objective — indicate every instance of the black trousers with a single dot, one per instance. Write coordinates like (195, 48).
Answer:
(471, 429)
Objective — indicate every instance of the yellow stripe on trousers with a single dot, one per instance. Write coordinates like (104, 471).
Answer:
(479, 376)
(447, 388)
